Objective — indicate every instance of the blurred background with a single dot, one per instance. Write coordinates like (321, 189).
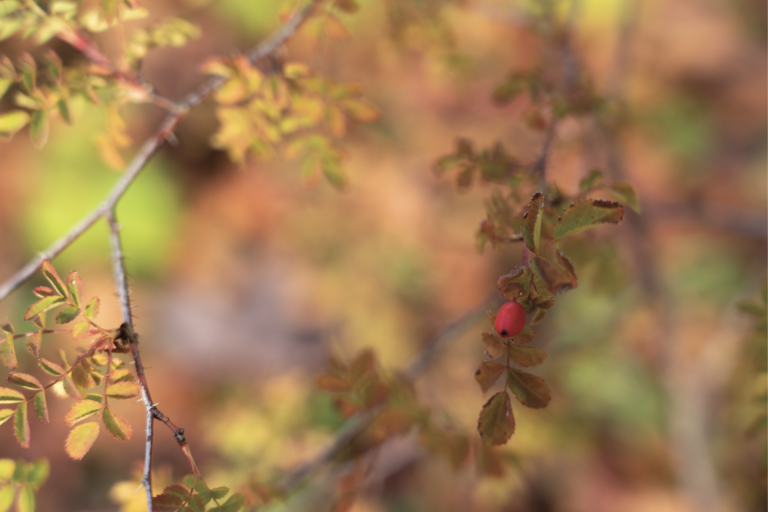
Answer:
(246, 278)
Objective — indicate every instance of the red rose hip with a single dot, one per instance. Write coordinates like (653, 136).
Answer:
(510, 319)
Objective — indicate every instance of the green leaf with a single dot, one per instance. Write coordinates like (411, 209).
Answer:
(50, 274)
(495, 347)
(8, 351)
(21, 425)
(39, 321)
(20, 472)
(752, 307)
(51, 368)
(8, 6)
(116, 425)
(42, 306)
(63, 106)
(625, 193)
(5, 83)
(587, 214)
(25, 381)
(92, 309)
(75, 287)
(12, 122)
(82, 410)
(7, 493)
(25, 501)
(531, 390)
(554, 269)
(487, 374)
(10, 396)
(5, 414)
(590, 180)
(526, 356)
(81, 439)
(38, 472)
(41, 407)
(219, 492)
(7, 469)
(39, 127)
(7, 328)
(123, 390)
(233, 503)
(531, 225)
(33, 343)
(189, 481)
(67, 314)
(496, 422)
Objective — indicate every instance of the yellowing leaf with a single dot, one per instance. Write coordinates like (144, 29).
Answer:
(33, 343)
(496, 423)
(21, 425)
(587, 214)
(67, 314)
(524, 336)
(12, 122)
(531, 224)
(82, 410)
(554, 269)
(50, 367)
(25, 381)
(26, 499)
(42, 306)
(41, 407)
(487, 374)
(39, 127)
(116, 424)
(8, 352)
(5, 414)
(336, 122)
(625, 193)
(531, 390)
(81, 439)
(10, 396)
(360, 110)
(123, 390)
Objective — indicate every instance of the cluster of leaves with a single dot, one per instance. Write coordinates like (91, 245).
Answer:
(758, 353)
(196, 496)
(19, 481)
(44, 87)
(93, 367)
(361, 385)
(258, 111)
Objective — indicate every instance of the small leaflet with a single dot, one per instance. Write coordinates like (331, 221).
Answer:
(526, 356)
(496, 422)
(10, 396)
(487, 374)
(531, 390)
(80, 439)
(495, 347)
(25, 381)
(116, 425)
(587, 214)
(33, 343)
(531, 225)
(41, 407)
(5, 415)
(21, 425)
(75, 287)
(82, 410)
(42, 306)
(123, 390)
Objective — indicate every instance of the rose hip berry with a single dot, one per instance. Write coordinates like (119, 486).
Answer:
(510, 319)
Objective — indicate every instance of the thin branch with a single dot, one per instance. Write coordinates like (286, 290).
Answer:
(147, 150)
(361, 420)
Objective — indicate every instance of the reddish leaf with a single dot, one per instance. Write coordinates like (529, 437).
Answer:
(82, 410)
(50, 273)
(123, 390)
(44, 291)
(81, 330)
(177, 489)
(496, 423)
(81, 439)
(167, 502)
(587, 214)
(514, 286)
(487, 374)
(333, 383)
(531, 225)
(526, 356)
(33, 343)
(75, 287)
(42, 306)
(25, 381)
(531, 390)
(554, 269)
(41, 406)
(10, 396)
(21, 425)
(116, 425)
(494, 345)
